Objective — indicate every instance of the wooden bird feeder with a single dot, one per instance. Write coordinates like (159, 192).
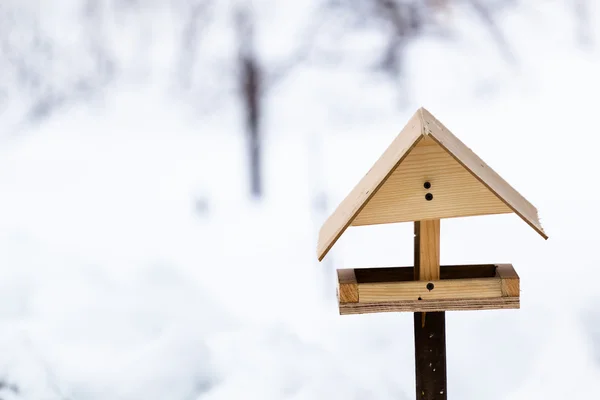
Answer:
(425, 175)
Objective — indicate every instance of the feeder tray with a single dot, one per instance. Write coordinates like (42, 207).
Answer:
(460, 287)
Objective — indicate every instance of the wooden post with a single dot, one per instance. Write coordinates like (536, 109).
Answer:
(430, 328)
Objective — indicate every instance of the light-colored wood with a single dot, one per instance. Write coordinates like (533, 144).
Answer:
(427, 253)
(347, 286)
(456, 192)
(427, 243)
(510, 280)
(496, 303)
(479, 288)
(421, 125)
(486, 175)
(466, 287)
(341, 218)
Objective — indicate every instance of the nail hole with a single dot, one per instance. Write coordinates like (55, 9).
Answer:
(427, 185)
(420, 298)
(428, 197)
(430, 286)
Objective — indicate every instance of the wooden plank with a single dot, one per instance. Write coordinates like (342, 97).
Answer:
(486, 175)
(345, 213)
(347, 286)
(441, 289)
(429, 328)
(455, 191)
(498, 303)
(457, 288)
(430, 355)
(510, 280)
(427, 244)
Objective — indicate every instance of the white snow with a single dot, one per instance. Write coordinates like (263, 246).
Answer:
(134, 266)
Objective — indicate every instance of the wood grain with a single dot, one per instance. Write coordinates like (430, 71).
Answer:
(347, 286)
(497, 303)
(341, 218)
(486, 175)
(470, 285)
(429, 327)
(447, 201)
(456, 192)
(427, 250)
(510, 280)
(442, 289)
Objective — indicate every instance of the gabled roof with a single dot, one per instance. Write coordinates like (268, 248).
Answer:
(423, 130)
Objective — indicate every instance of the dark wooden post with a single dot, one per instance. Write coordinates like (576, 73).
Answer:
(430, 328)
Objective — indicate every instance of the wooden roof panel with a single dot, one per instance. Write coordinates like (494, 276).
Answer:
(342, 217)
(422, 124)
(455, 191)
(486, 175)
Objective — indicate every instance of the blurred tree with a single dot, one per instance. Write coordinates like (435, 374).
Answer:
(255, 78)
(196, 16)
(250, 76)
(44, 68)
(8, 388)
(581, 9)
(401, 21)
(486, 10)
(40, 69)
(253, 75)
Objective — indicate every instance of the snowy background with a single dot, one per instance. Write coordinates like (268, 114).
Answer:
(137, 261)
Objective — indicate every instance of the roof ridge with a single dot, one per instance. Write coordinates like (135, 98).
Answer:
(397, 151)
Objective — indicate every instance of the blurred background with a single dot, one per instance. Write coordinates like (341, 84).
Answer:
(165, 166)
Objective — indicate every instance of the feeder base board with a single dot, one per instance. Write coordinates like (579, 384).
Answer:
(461, 287)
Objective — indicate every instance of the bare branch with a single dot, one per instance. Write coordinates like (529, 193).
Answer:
(301, 54)
(197, 17)
(485, 14)
(250, 91)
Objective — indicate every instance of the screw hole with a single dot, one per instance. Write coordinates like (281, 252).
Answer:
(430, 286)
(420, 298)
(428, 197)
(427, 185)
